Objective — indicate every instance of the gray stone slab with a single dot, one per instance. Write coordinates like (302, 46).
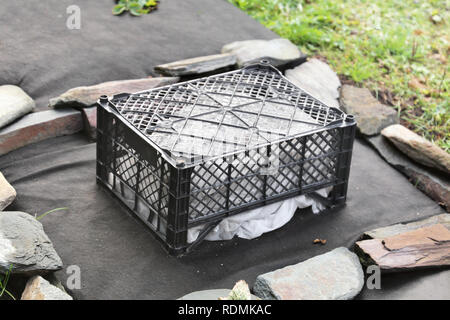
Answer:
(14, 103)
(39, 126)
(87, 96)
(425, 247)
(433, 183)
(197, 65)
(335, 275)
(25, 247)
(318, 79)
(389, 231)
(213, 294)
(279, 51)
(371, 116)
(37, 288)
(418, 148)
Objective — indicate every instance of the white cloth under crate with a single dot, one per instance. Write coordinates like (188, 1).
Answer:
(253, 223)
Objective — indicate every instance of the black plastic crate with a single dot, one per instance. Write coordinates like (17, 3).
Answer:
(196, 152)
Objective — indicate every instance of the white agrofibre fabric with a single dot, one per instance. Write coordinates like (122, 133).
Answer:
(253, 223)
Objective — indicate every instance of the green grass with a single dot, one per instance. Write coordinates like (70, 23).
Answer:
(50, 211)
(397, 49)
(4, 283)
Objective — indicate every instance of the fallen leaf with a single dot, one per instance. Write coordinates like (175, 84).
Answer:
(414, 83)
(321, 241)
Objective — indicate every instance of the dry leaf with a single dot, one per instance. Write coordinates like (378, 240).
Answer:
(414, 83)
(321, 241)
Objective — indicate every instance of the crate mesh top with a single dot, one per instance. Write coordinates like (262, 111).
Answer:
(224, 114)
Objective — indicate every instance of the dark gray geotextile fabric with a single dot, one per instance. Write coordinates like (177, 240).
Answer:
(41, 55)
(120, 259)
(118, 256)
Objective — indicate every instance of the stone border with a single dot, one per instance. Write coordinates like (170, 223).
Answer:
(39, 126)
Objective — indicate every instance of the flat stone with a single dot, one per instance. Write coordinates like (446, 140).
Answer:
(318, 79)
(213, 294)
(37, 288)
(39, 126)
(385, 232)
(90, 122)
(7, 193)
(371, 116)
(82, 97)
(417, 148)
(335, 275)
(14, 103)
(424, 247)
(278, 51)
(197, 65)
(434, 184)
(25, 246)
